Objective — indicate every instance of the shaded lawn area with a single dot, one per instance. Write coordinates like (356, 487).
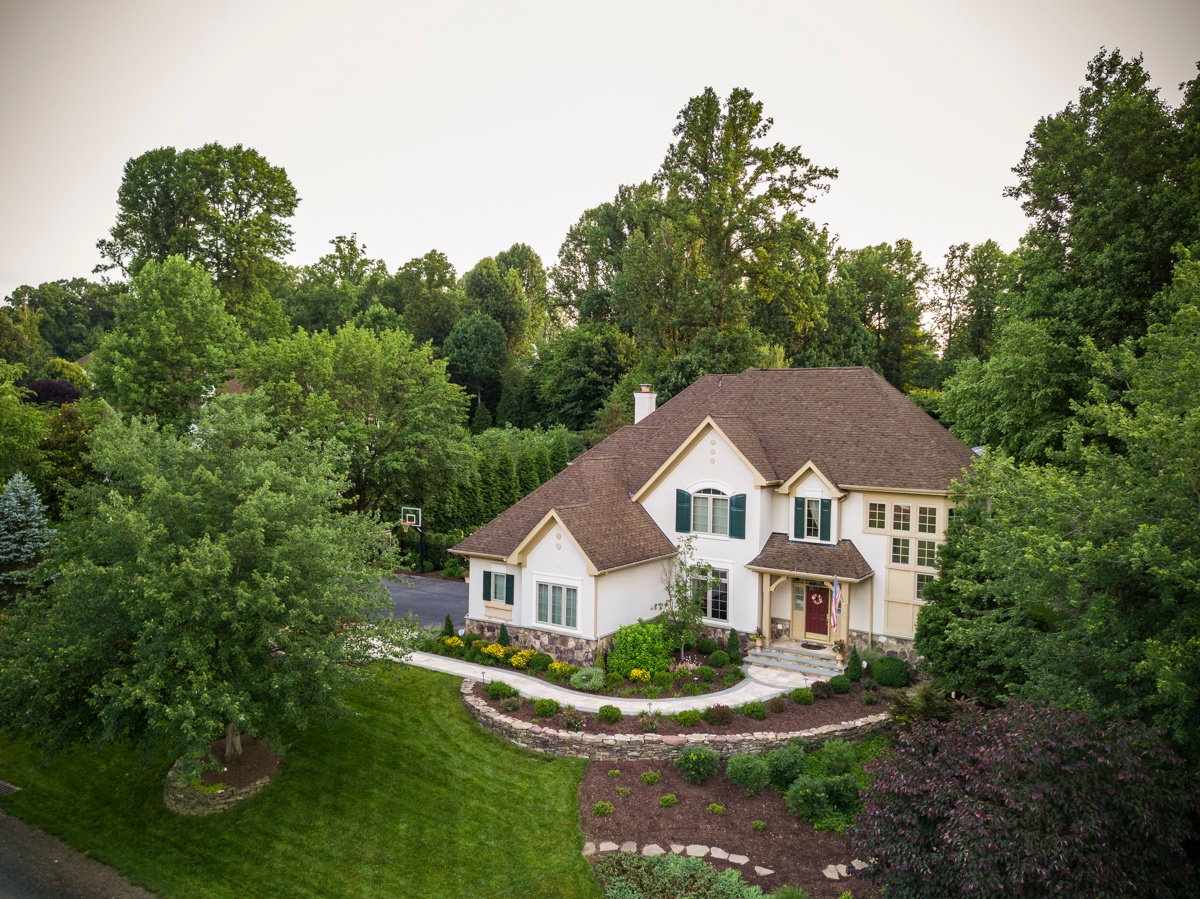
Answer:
(404, 796)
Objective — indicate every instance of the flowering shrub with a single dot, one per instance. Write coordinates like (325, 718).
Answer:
(495, 650)
(1027, 801)
(521, 659)
(572, 720)
(452, 641)
(642, 677)
(561, 669)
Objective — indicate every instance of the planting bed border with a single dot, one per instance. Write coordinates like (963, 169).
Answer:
(578, 744)
(184, 799)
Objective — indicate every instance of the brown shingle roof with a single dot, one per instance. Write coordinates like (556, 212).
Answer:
(858, 430)
(841, 559)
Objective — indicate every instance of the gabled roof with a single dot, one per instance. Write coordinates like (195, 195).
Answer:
(781, 555)
(849, 423)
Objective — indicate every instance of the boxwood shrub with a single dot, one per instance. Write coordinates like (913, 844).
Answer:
(688, 718)
(498, 689)
(539, 663)
(749, 772)
(802, 696)
(609, 714)
(839, 684)
(697, 763)
(890, 672)
(706, 646)
(719, 659)
(545, 708)
(755, 710)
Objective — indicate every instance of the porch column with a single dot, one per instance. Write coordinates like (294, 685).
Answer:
(764, 616)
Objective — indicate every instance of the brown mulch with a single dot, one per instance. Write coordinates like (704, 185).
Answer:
(790, 847)
(258, 760)
(835, 710)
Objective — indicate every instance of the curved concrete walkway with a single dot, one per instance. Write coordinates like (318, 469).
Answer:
(760, 683)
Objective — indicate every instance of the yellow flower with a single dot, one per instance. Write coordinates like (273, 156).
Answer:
(495, 650)
(452, 641)
(521, 659)
(639, 675)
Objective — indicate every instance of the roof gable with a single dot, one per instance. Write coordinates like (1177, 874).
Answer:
(693, 440)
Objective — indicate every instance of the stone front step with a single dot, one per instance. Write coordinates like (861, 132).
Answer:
(791, 657)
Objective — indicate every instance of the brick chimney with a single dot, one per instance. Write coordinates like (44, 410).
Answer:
(644, 402)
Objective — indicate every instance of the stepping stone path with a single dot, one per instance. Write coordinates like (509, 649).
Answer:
(698, 850)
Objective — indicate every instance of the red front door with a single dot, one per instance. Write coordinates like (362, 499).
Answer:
(816, 610)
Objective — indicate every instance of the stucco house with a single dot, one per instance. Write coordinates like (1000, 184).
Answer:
(790, 481)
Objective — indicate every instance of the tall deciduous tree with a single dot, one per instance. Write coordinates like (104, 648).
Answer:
(966, 298)
(578, 370)
(21, 424)
(336, 287)
(211, 583)
(173, 343)
(425, 291)
(388, 402)
(73, 315)
(224, 207)
(476, 353)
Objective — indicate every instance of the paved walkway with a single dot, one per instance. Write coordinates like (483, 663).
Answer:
(760, 683)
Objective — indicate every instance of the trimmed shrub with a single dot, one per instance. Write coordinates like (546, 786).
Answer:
(854, 666)
(667, 801)
(590, 680)
(706, 674)
(697, 763)
(834, 758)
(719, 715)
(498, 689)
(785, 764)
(890, 672)
(539, 662)
(802, 696)
(503, 638)
(715, 809)
(602, 808)
(613, 681)
(1116, 826)
(719, 659)
(447, 627)
(776, 705)
(706, 646)
(733, 645)
(839, 684)
(650, 778)
(642, 645)
(545, 708)
(821, 689)
(748, 771)
(688, 718)
(664, 680)
(609, 714)
(755, 710)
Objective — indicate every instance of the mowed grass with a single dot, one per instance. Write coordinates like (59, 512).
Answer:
(404, 796)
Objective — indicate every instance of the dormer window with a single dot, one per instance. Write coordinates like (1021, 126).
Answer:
(711, 511)
(813, 517)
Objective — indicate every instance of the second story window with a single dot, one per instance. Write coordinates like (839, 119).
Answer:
(710, 511)
(813, 519)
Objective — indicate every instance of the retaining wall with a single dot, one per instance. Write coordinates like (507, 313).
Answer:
(183, 799)
(552, 741)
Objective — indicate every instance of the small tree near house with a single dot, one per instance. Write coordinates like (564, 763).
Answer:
(685, 580)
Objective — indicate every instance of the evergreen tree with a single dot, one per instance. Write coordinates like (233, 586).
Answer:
(482, 419)
(24, 535)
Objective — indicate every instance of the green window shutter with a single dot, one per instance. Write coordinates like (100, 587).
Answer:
(826, 506)
(798, 518)
(683, 511)
(508, 588)
(737, 516)
(487, 586)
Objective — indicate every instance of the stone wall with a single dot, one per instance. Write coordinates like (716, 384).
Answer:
(651, 746)
(560, 647)
(897, 647)
(183, 799)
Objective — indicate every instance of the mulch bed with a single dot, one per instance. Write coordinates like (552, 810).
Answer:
(258, 760)
(790, 847)
(835, 710)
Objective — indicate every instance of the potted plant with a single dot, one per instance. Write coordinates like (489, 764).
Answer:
(758, 638)
(839, 650)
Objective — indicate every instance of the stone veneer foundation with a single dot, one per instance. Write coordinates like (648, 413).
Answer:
(183, 799)
(890, 646)
(651, 746)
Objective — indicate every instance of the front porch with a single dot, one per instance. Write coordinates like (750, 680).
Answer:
(794, 656)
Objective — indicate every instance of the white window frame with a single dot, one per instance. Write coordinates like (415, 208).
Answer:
(883, 511)
(924, 547)
(922, 514)
(923, 580)
(710, 495)
(721, 577)
(550, 586)
(499, 580)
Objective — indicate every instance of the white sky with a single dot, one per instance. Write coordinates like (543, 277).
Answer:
(468, 126)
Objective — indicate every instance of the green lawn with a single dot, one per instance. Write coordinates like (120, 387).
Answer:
(405, 796)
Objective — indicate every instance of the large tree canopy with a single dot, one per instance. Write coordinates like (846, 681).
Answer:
(210, 580)
(336, 287)
(172, 345)
(73, 315)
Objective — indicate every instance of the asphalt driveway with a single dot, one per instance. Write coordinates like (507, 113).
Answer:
(432, 598)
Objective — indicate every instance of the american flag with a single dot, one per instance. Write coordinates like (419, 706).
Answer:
(835, 606)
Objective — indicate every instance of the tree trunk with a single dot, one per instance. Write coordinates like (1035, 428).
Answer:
(233, 745)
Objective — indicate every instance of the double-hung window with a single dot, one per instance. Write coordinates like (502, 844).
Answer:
(498, 587)
(710, 511)
(557, 604)
(713, 594)
(813, 519)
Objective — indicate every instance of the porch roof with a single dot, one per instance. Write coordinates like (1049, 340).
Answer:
(785, 556)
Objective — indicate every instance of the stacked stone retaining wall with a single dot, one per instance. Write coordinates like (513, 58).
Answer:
(183, 799)
(542, 738)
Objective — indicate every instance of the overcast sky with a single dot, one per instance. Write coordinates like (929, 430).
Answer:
(469, 126)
